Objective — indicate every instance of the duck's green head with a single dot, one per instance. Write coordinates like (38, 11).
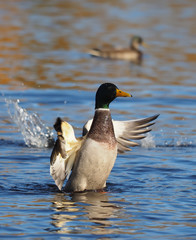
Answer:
(136, 41)
(106, 93)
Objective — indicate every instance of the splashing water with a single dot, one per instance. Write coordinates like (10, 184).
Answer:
(175, 138)
(178, 141)
(33, 130)
(148, 142)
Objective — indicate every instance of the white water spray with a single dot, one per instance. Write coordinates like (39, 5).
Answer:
(148, 141)
(33, 130)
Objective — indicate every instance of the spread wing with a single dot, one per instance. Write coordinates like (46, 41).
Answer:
(64, 152)
(127, 131)
(57, 162)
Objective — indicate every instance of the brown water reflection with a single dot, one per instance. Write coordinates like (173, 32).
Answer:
(43, 44)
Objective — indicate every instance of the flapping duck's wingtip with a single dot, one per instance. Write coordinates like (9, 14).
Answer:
(57, 125)
(150, 119)
(156, 116)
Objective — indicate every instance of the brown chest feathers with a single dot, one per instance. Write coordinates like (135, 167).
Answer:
(102, 128)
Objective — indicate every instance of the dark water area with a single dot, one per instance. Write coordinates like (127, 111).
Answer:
(46, 72)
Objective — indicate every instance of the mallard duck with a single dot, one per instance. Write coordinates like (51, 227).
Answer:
(132, 53)
(87, 161)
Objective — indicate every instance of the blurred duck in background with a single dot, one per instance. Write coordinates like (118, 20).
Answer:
(132, 54)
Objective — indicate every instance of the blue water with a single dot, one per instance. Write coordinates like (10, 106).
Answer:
(46, 73)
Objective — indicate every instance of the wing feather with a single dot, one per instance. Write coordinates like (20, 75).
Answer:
(126, 131)
(64, 152)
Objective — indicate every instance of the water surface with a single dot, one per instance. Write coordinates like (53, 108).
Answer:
(45, 72)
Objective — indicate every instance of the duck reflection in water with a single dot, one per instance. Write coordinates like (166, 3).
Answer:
(94, 208)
